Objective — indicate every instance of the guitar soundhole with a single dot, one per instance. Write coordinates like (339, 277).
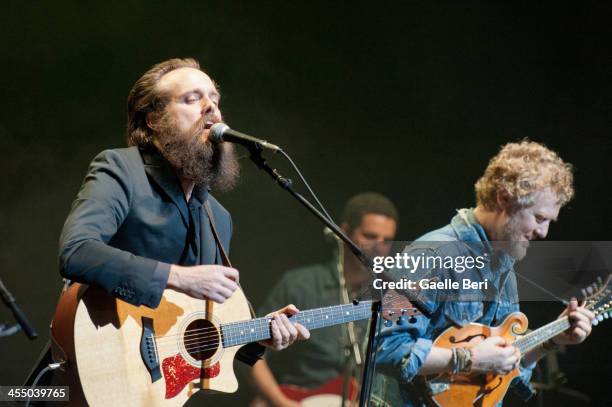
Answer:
(201, 339)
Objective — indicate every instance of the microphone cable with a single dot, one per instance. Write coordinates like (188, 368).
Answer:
(297, 170)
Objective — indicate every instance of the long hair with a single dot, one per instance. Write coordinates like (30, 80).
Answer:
(143, 98)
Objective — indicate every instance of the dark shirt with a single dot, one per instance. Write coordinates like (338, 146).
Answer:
(325, 355)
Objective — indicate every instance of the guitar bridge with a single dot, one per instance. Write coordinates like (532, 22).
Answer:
(148, 349)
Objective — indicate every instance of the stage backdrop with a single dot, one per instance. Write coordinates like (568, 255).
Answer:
(402, 98)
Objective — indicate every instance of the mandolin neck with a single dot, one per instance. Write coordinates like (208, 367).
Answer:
(258, 329)
(541, 335)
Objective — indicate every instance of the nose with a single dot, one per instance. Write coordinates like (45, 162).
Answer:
(542, 230)
(210, 109)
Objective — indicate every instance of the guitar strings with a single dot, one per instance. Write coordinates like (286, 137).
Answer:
(206, 332)
(192, 332)
(207, 343)
(201, 331)
(204, 338)
(258, 327)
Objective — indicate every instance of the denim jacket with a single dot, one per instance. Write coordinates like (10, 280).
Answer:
(403, 347)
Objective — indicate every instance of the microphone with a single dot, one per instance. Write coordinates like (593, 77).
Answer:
(221, 132)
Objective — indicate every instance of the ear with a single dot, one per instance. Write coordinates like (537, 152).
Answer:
(152, 120)
(345, 228)
(503, 200)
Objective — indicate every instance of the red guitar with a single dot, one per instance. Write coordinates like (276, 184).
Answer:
(329, 394)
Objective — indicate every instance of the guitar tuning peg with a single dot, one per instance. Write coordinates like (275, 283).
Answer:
(606, 315)
(412, 319)
(584, 293)
(388, 323)
(600, 317)
(599, 281)
(589, 290)
(594, 322)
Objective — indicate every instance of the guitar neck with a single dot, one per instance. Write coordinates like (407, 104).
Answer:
(541, 335)
(258, 329)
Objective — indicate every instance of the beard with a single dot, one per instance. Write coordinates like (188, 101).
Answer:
(511, 239)
(204, 163)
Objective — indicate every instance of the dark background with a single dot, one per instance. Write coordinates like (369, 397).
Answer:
(405, 98)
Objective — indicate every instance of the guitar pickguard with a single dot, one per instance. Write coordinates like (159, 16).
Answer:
(178, 373)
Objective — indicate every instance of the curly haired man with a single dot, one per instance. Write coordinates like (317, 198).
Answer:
(519, 195)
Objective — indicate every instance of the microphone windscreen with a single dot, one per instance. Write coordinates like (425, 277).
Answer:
(216, 132)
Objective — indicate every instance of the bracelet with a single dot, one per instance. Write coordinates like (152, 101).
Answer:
(461, 360)
(467, 367)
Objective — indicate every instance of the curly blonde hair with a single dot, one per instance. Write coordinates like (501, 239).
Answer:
(521, 169)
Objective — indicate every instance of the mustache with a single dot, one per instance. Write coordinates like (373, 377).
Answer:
(200, 125)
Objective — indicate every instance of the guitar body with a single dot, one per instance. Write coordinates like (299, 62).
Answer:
(483, 390)
(329, 394)
(106, 343)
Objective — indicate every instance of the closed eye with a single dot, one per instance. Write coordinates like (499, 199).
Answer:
(193, 98)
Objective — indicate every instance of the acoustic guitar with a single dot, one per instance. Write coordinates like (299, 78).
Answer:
(114, 353)
(330, 393)
(486, 390)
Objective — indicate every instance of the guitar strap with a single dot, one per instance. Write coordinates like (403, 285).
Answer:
(224, 256)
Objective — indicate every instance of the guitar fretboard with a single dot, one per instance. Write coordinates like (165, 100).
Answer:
(541, 335)
(258, 329)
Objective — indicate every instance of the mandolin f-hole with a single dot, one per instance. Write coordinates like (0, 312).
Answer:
(452, 339)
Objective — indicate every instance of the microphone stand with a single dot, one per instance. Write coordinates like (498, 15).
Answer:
(9, 301)
(286, 184)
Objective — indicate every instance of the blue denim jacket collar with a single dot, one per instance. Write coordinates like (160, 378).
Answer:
(466, 227)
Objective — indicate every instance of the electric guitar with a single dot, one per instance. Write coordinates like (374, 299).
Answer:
(114, 353)
(486, 390)
(329, 394)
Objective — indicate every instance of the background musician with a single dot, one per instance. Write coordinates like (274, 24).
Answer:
(370, 220)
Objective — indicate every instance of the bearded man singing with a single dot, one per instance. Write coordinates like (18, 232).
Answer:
(519, 195)
(140, 223)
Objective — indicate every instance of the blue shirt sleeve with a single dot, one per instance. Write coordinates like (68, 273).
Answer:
(403, 347)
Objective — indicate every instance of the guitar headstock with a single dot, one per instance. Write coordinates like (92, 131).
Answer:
(396, 306)
(598, 298)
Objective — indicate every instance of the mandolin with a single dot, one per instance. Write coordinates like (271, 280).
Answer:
(486, 390)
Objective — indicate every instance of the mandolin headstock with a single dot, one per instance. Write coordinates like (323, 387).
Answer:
(598, 298)
(397, 307)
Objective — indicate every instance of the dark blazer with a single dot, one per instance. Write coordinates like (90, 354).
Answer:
(129, 222)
